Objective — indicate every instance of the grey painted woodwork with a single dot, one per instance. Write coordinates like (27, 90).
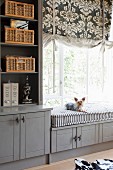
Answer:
(74, 137)
(100, 133)
(107, 131)
(16, 137)
(64, 139)
(61, 140)
(77, 152)
(53, 141)
(25, 163)
(35, 134)
(87, 135)
(47, 123)
(9, 134)
(24, 136)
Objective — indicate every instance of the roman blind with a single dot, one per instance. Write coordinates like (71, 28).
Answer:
(76, 20)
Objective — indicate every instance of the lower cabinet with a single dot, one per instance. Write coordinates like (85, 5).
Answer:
(107, 131)
(69, 138)
(64, 139)
(87, 135)
(24, 136)
(9, 138)
(35, 134)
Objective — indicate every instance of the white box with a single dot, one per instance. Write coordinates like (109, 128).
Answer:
(10, 94)
(14, 94)
(6, 94)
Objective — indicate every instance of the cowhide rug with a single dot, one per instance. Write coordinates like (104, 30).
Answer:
(100, 164)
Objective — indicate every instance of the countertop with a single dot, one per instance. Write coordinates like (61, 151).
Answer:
(23, 109)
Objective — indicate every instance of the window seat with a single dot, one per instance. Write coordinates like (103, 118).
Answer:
(93, 112)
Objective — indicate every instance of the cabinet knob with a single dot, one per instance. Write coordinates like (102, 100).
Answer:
(23, 119)
(75, 138)
(79, 137)
(17, 120)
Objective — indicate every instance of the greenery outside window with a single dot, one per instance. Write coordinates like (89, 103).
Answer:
(71, 71)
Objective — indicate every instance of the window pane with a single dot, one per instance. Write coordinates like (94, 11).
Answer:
(108, 74)
(50, 70)
(95, 77)
(75, 71)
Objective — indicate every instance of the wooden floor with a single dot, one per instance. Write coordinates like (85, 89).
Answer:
(69, 164)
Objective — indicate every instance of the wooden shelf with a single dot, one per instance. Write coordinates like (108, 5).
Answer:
(18, 72)
(19, 45)
(18, 18)
(23, 50)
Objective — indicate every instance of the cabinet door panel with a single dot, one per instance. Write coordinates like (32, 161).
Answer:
(107, 131)
(64, 139)
(34, 134)
(22, 137)
(74, 137)
(88, 135)
(6, 138)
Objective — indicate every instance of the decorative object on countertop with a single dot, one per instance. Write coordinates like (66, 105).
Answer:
(10, 94)
(26, 92)
(19, 36)
(19, 9)
(19, 24)
(19, 64)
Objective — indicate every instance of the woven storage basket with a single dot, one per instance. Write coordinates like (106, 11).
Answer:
(19, 9)
(19, 36)
(20, 64)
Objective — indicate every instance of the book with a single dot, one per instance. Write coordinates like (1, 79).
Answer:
(19, 24)
(6, 94)
(10, 94)
(14, 94)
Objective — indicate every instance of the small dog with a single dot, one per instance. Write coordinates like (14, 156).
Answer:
(77, 106)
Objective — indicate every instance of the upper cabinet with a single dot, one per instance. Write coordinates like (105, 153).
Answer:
(21, 51)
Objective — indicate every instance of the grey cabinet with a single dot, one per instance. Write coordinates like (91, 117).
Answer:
(64, 139)
(9, 138)
(87, 135)
(107, 131)
(24, 136)
(35, 134)
(61, 140)
(73, 137)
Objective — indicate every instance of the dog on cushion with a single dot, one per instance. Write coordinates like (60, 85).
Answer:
(77, 106)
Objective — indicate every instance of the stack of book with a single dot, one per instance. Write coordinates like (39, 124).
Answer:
(10, 94)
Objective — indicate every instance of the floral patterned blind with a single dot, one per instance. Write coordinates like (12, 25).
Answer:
(107, 18)
(89, 19)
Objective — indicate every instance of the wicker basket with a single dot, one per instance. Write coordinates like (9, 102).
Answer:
(19, 36)
(19, 9)
(20, 64)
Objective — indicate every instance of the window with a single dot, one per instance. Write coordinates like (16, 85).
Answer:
(76, 72)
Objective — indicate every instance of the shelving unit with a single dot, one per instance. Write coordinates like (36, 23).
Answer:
(34, 50)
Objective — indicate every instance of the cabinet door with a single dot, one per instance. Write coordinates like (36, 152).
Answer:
(64, 139)
(9, 138)
(87, 135)
(32, 135)
(61, 140)
(107, 131)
